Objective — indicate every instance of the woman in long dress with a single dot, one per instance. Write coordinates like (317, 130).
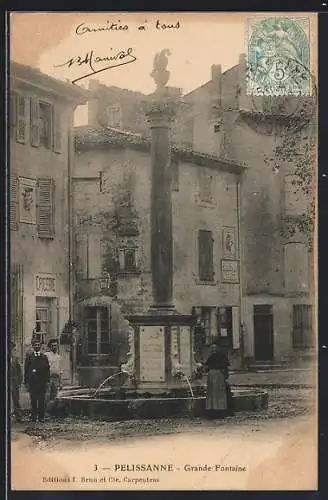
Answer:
(218, 399)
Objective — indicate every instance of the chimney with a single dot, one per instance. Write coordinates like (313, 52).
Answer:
(217, 82)
(216, 91)
(242, 75)
(93, 103)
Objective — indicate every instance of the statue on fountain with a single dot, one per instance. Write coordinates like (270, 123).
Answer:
(160, 74)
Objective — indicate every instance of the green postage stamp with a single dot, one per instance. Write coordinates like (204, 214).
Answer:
(278, 56)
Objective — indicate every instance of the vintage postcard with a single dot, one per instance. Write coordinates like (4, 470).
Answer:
(163, 260)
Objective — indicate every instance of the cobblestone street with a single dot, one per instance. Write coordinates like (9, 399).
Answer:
(285, 431)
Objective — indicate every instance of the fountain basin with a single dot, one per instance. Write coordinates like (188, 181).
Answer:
(81, 402)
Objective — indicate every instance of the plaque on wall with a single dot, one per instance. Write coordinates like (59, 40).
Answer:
(230, 271)
(45, 285)
(152, 354)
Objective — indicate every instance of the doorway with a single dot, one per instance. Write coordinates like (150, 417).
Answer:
(263, 332)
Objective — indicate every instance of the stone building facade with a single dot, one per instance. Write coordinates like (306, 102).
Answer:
(112, 195)
(41, 118)
(277, 264)
(220, 120)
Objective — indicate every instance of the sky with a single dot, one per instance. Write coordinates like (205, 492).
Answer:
(47, 40)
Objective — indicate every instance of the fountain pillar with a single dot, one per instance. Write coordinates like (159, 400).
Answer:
(163, 338)
(160, 114)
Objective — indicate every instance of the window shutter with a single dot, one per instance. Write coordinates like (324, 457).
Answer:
(13, 203)
(12, 111)
(21, 130)
(45, 208)
(205, 255)
(205, 185)
(35, 123)
(57, 135)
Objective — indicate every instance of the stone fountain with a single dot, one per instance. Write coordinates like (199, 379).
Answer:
(158, 373)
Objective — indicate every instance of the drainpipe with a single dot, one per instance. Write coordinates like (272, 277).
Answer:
(70, 159)
(241, 295)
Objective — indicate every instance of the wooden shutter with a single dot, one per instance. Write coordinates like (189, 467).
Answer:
(206, 185)
(205, 255)
(13, 203)
(12, 118)
(35, 122)
(21, 129)
(57, 134)
(46, 208)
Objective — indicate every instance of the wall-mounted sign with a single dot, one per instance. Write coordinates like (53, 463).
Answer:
(229, 243)
(230, 271)
(45, 285)
(27, 200)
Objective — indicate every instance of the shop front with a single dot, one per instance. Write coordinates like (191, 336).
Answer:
(50, 315)
(216, 324)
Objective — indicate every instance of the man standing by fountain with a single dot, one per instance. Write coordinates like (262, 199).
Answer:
(36, 379)
(55, 368)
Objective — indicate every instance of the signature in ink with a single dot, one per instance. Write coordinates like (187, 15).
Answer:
(92, 61)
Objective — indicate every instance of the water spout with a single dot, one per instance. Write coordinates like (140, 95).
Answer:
(189, 384)
(104, 382)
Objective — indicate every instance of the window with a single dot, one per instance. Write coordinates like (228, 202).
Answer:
(114, 116)
(296, 267)
(302, 326)
(97, 330)
(42, 323)
(44, 118)
(207, 325)
(206, 185)
(45, 124)
(128, 257)
(225, 326)
(175, 175)
(46, 208)
(27, 200)
(205, 255)
(296, 202)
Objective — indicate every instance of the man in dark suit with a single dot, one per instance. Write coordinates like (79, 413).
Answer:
(36, 380)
